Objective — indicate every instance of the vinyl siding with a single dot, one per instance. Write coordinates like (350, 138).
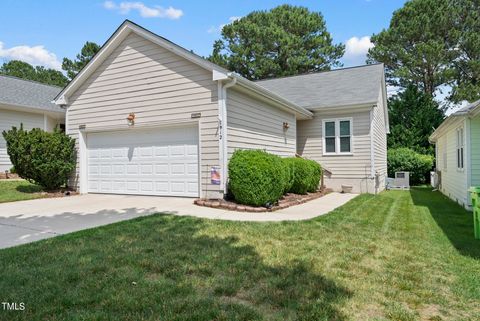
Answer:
(380, 141)
(255, 124)
(354, 168)
(453, 181)
(475, 150)
(155, 84)
(9, 118)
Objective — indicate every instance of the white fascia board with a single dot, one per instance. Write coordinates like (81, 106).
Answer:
(353, 107)
(451, 121)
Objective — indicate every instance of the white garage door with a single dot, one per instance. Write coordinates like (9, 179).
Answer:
(145, 162)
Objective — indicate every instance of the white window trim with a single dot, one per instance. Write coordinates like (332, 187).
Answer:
(337, 136)
(458, 147)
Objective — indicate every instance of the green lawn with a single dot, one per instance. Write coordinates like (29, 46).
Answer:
(18, 190)
(397, 256)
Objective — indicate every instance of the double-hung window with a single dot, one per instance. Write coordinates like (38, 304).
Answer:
(460, 148)
(337, 136)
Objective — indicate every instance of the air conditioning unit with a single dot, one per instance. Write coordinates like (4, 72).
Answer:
(401, 180)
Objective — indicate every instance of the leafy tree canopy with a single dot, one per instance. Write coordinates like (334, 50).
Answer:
(466, 37)
(286, 40)
(432, 43)
(86, 54)
(41, 74)
(415, 47)
(413, 116)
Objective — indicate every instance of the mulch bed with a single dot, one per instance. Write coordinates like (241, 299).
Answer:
(59, 193)
(9, 176)
(287, 200)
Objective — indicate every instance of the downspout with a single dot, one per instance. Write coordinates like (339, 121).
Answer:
(223, 131)
(372, 151)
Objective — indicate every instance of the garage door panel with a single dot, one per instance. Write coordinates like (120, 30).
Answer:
(144, 162)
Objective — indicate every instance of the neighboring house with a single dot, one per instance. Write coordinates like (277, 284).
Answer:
(457, 149)
(29, 103)
(186, 116)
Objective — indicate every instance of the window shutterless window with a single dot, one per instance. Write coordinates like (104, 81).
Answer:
(337, 136)
(460, 148)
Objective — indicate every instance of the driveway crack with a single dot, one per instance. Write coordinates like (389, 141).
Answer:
(30, 228)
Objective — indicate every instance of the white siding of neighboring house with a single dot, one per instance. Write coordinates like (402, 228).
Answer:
(255, 124)
(10, 118)
(159, 87)
(475, 150)
(354, 170)
(380, 142)
(453, 180)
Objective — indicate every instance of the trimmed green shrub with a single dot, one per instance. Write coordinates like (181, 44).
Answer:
(46, 159)
(256, 177)
(407, 160)
(289, 164)
(307, 175)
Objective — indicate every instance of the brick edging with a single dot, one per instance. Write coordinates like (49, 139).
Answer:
(219, 203)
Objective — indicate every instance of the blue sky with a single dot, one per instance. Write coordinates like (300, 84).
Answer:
(43, 32)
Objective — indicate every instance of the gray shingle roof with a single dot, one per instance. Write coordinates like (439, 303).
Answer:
(465, 110)
(340, 87)
(26, 93)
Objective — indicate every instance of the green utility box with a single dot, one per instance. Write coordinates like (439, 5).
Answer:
(475, 195)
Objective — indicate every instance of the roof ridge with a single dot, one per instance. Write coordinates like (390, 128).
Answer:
(29, 80)
(321, 72)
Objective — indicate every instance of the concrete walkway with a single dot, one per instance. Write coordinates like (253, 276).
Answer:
(28, 221)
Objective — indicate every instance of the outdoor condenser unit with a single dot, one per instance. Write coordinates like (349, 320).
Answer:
(402, 180)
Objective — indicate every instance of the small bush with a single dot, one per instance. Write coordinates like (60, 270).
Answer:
(406, 159)
(256, 177)
(46, 159)
(289, 164)
(307, 175)
(13, 170)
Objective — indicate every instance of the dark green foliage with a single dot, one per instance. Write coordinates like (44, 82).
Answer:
(466, 37)
(433, 43)
(405, 159)
(307, 174)
(289, 163)
(46, 159)
(72, 68)
(415, 47)
(287, 40)
(26, 71)
(413, 116)
(256, 177)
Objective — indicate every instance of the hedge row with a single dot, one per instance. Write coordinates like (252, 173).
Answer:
(258, 178)
(405, 159)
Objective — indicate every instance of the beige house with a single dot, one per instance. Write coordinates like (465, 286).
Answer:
(152, 118)
(29, 103)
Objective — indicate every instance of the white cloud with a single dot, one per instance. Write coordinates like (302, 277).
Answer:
(143, 10)
(357, 46)
(356, 49)
(36, 55)
(214, 29)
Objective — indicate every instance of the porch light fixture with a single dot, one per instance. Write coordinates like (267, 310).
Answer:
(286, 125)
(131, 119)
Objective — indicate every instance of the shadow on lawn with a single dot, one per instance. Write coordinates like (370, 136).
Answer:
(181, 272)
(454, 220)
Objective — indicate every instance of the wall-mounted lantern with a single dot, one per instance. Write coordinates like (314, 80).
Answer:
(286, 125)
(131, 119)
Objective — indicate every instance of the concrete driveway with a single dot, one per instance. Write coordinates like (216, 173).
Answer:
(28, 221)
